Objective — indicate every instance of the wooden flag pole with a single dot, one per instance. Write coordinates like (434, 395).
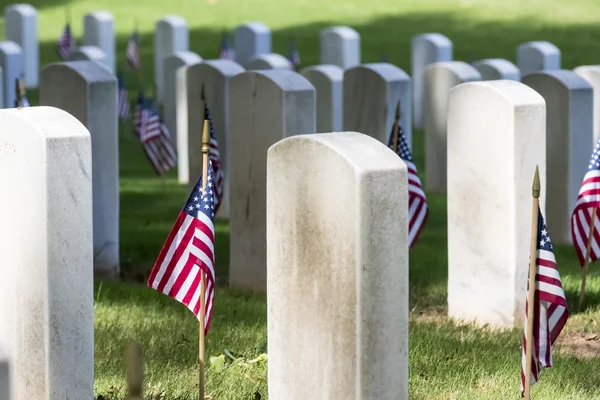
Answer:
(17, 94)
(395, 138)
(588, 253)
(134, 371)
(535, 192)
(205, 150)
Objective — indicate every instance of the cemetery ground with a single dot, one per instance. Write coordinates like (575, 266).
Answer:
(447, 360)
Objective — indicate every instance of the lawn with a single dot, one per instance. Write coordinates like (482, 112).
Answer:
(447, 361)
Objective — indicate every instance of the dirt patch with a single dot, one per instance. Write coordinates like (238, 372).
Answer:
(582, 345)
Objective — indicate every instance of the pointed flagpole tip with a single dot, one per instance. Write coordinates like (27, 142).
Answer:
(398, 111)
(536, 188)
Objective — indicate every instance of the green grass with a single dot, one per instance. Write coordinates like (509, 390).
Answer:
(447, 361)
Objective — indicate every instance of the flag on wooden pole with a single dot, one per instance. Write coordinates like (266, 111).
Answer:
(226, 52)
(132, 52)
(123, 98)
(66, 43)
(215, 159)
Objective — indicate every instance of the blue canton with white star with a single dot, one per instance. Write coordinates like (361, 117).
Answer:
(544, 242)
(202, 202)
(403, 150)
(595, 160)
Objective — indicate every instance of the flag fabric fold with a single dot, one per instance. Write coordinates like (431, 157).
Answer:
(226, 52)
(132, 51)
(66, 43)
(294, 56)
(123, 98)
(215, 159)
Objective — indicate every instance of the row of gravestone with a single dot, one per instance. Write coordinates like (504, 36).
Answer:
(336, 238)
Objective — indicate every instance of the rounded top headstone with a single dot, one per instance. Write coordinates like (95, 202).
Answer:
(224, 67)
(543, 46)
(90, 71)
(566, 78)
(284, 79)
(268, 61)
(385, 70)
(49, 122)
(436, 38)
(499, 66)
(258, 27)
(512, 92)
(343, 31)
(101, 15)
(462, 70)
(172, 20)
(9, 47)
(187, 57)
(85, 53)
(333, 72)
(24, 9)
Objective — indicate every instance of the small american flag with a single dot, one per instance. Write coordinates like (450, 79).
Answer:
(215, 159)
(123, 98)
(137, 113)
(66, 44)
(417, 202)
(20, 100)
(225, 51)
(550, 306)
(132, 52)
(294, 56)
(589, 197)
(156, 140)
(189, 252)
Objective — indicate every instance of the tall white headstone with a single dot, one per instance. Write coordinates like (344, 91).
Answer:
(537, 56)
(4, 373)
(328, 83)
(492, 69)
(11, 62)
(170, 36)
(337, 268)
(89, 53)
(569, 142)
(88, 91)
(251, 39)
(99, 31)
(340, 45)
(492, 155)
(47, 293)
(591, 73)
(427, 48)
(21, 28)
(268, 61)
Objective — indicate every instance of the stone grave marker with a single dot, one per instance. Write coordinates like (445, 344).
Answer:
(492, 155)
(251, 39)
(591, 73)
(47, 294)
(170, 36)
(340, 45)
(215, 75)
(569, 142)
(264, 107)
(427, 48)
(371, 93)
(99, 31)
(337, 268)
(492, 69)
(4, 374)
(88, 91)
(328, 82)
(90, 53)
(21, 28)
(439, 79)
(268, 61)
(537, 56)
(11, 62)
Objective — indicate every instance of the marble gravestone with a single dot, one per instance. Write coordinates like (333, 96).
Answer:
(88, 91)
(47, 321)
(328, 83)
(170, 36)
(371, 94)
(492, 69)
(569, 143)
(439, 79)
(340, 45)
(264, 107)
(215, 76)
(268, 61)
(11, 62)
(337, 268)
(174, 95)
(99, 31)
(4, 373)
(21, 28)
(537, 56)
(89, 53)
(487, 282)
(591, 73)
(426, 49)
(251, 39)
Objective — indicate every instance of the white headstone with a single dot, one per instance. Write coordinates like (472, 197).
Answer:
(537, 56)
(174, 93)
(21, 28)
(170, 36)
(89, 53)
(439, 79)
(11, 62)
(591, 73)
(88, 91)
(47, 290)
(264, 107)
(4, 373)
(371, 94)
(340, 45)
(427, 48)
(328, 83)
(99, 31)
(569, 142)
(492, 69)
(268, 61)
(251, 39)
(337, 269)
(492, 155)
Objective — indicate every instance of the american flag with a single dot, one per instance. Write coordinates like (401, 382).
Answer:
(294, 56)
(417, 202)
(66, 43)
(20, 100)
(215, 159)
(589, 197)
(550, 306)
(156, 140)
(132, 52)
(190, 251)
(123, 98)
(137, 113)
(226, 51)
